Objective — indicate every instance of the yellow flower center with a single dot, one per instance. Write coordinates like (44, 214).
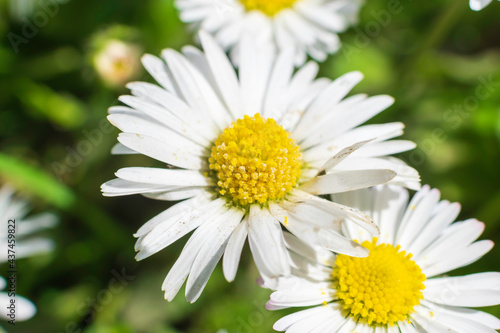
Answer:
(382, 288)
(255, 161)
(268, 7)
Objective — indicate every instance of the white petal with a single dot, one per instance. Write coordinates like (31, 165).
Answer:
(234, 247)
(176, 107)
(324, 18)
(181, 207)
(479, 4)
(177, 194)
(337, 90)
(406, 176)
(135, 125)
(354, 215)
(254, 71)
(168, 177)
(416, 218)
(158, 71)
(434, 228)
(267, 244)
(302, 79)
(426, 321)
(180, 270)
(340, 156)
(224, 74)
(377, 132)
(196, 90)
(33, 246)
(299, 297)
(118, 187)
(470, 314)
(385, 148)
(161, 151)
(119, 149)
(326, 238)
(300, 102)
(25, 309)
(36, 223)
(284, 323)
(343, 181)
(178, 226)
(459, 323)
(458, 258)
(457, 236)
(160, 114)
(311, 269)
(210, 254)
(275, 100)
(317, 215)
(311, 254)
(349, 118)
(473, 290)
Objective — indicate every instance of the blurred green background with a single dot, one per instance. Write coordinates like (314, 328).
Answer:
(439, 59)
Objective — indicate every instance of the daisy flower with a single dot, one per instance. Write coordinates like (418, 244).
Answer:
(249, 152)
(479, 4)
(25, 245)
(307, 26)
(399, 287)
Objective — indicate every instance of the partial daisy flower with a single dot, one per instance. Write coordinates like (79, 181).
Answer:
(309, 27)
(249, 152)
(399, 287)
(479, 4)
(22, 244)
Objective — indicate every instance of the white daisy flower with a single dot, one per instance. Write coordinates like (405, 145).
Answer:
(249, 152)
(307, 26)
(12, 217)
(479, 4)
(398, 287)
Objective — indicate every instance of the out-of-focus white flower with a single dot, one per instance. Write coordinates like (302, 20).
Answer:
(26, 245)
(22, 244)
(305, 26)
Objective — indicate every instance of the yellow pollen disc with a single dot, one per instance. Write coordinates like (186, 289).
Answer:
(268, 7)
(380, 289)
(255, 161)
